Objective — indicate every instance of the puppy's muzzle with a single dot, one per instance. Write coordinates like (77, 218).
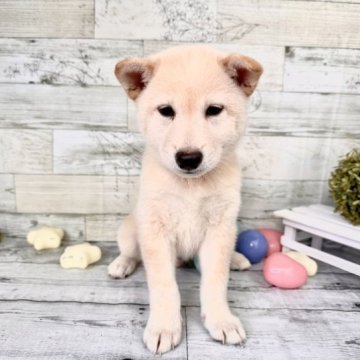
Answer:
(188, 160)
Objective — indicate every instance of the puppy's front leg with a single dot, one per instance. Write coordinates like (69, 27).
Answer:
(163, 330)
(215, 254)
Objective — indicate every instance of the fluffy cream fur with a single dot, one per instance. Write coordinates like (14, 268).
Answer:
(180, 214)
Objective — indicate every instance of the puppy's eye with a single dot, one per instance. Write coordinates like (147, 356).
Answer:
(213, 110)
(166, 111)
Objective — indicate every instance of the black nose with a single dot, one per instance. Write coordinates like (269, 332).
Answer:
(188, 160)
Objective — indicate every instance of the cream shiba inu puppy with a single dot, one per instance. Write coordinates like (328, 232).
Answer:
(192, 112)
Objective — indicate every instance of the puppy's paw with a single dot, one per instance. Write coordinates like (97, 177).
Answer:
(160, 337)
(227, 329)
(122, 266)
(239, 262)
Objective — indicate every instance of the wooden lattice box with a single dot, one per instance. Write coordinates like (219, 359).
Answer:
(319, 222)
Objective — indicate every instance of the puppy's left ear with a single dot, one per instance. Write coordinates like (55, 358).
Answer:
(244, 70)
(134, 75)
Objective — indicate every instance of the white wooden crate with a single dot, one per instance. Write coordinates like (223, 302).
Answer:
(319, 222)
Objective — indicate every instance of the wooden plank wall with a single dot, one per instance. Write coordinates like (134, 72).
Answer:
(69, 147)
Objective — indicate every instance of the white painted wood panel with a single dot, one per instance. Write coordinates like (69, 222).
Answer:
(287, 334)
(25, 151)
(292, 158)
(322, 70)
(62, 107)
(270, 113)
(97, 152)
(15, 225)
(64, 61)
(7, 194)
(296, 114)
(337, 1)
(74, 194)
(337, 150)
(262, 157)
(161, 20)
(102, 227)
(304, 114)
(113, 194)
(50, 18)
(132, 117)
(74, 330)
(267, 221)
(297, 23)
(271, 58)
(260, 198)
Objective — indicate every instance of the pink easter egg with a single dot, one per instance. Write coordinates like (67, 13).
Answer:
(273, 238)
(282, 271)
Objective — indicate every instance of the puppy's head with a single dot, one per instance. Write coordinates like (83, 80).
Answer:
(191, 104)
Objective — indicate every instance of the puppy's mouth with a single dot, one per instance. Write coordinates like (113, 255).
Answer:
(191, 173)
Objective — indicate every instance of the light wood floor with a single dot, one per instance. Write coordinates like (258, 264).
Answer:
(50, 313)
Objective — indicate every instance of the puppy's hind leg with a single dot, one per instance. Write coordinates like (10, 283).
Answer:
(129, 257)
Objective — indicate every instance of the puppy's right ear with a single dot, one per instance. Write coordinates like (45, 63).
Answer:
(134, 74)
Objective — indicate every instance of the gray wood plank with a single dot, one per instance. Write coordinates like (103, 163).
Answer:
(271, 80)
(77, 306)
(160, 20)
(304, 114)
(63, 61)
(50, 283)
(296, 23)
(25, 151)
(62, 107)
(95, 152)
(17, 250)
(74, 194)
(18, 225)
(7, 191)
(102, 227)
(285, 334)
(68, 330)
(322, 70)
(51, 18)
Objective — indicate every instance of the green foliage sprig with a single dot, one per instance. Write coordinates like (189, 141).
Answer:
(344, 184)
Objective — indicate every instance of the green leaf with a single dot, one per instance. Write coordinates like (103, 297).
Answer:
(344, 185)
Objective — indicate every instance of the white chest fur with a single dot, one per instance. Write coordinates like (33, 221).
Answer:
(187, 217)
(185, 209)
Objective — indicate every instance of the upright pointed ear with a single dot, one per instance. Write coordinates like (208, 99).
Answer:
(134, 74)
(244, 70)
